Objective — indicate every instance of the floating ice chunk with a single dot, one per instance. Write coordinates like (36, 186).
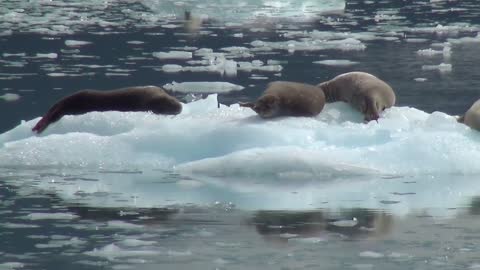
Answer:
(136, 243)
(475, 39)
(47, 55)
(172, 68)
(203, 87)
(441, 67)
(14, 54)
(420, 79)
(112, 251)
(445, 52)
(170, 26)
(10, 97)
(57, 74)
(135, 42)
(345, 223)
(40, 216)
(11, 265)
(173, 55)
(9, 225)
(341, 62)
(307, 240)
(76, 43)
(429, 52)
(371, 254)
(258, 66)
(117, 224)
(416, 40)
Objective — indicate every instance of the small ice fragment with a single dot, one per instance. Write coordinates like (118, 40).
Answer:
(172, 68)
(340, 62)
(344, 223)
(203, 87)
(173, 55)
(420, 79)
(40, 216)
(10, 97)
(170, 26)
(47, 55)
(137, 243)
(371, 254)
(11, 265)
(442, 67)
(75, 43)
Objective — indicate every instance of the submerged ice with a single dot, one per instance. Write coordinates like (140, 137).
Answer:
(220, 141)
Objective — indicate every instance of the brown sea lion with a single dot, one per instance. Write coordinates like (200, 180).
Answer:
(363, 91)
(288, 99)
(130, 99)
(472, 117)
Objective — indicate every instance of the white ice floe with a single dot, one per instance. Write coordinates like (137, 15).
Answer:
(332, 62)
(446, 51)
(9, 97)
(47, 55)
(76, 43)
(443, 67)
(173, 55)
(40, 216)
(203, 87)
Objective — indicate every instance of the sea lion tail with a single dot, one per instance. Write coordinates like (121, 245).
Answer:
(461, 119)
(246, 104)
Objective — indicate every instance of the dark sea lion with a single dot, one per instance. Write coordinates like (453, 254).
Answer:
(130, 99)
(472, 117)
(288, 99)
(363, 91)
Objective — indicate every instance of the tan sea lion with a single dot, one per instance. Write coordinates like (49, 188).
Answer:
(362, 90)
(288, 99)
(472, 117)
(138, 98)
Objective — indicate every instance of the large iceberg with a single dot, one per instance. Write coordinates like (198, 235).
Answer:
(209, 138)
(407, 160)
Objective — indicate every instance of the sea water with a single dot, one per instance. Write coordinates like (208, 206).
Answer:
(217, 187)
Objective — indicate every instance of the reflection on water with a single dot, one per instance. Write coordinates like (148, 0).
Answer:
(85, 237)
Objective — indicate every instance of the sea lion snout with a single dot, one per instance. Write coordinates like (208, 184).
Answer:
(370, 117)
(165, 105)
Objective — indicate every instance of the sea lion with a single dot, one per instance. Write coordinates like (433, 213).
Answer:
(288, 99)
(472, 117)
(362, 90)
(138, 98)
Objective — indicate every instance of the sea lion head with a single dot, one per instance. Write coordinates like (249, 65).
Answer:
(267, 106)
(370, 108)
(165, 104)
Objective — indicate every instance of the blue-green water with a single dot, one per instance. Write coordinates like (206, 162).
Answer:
(216, 188)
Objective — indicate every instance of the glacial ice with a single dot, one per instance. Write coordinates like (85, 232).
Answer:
(228, 154)
(214, 140)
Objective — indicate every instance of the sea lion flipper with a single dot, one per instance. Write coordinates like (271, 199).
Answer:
(246, 104)
(41, 125)
(461, 119)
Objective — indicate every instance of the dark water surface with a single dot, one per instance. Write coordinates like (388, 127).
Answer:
(54, 217)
